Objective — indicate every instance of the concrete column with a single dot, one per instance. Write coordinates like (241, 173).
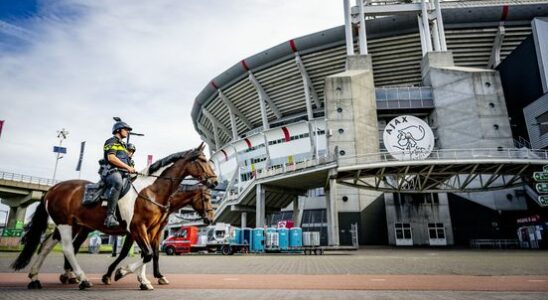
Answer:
(16, 214)
(297, 213)
(351, 113)
(470, 106)
(244, 220)
(332, 214)
(260, 206)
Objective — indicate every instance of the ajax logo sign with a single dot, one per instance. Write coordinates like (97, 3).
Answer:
(408, 138)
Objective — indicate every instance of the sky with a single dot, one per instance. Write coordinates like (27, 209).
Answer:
(75, 64)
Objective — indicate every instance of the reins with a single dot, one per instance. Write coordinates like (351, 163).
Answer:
(163, 207)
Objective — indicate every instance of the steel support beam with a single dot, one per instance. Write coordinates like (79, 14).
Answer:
(422, 36)
(206, 135)
(426, 26)
(235, 110)
(216, 122)
(348, 28)
(362, 33)
(309, 91)
(494, 59)
(441, 30)
(263, 100)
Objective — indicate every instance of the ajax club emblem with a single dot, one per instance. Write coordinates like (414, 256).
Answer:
(408, 138)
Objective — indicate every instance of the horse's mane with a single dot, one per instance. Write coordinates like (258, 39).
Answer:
(170, 159)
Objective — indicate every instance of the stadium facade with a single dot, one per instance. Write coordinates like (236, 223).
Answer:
(298, 131)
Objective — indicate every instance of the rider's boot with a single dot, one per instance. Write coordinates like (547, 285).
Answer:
(110, 220)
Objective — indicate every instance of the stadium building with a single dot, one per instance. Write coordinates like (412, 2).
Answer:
(410, 120)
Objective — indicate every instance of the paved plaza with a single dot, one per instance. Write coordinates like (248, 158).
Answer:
(369, 273)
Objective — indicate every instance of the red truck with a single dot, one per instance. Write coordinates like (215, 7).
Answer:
(183, 241)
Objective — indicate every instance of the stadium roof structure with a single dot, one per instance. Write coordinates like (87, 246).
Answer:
(474, 30)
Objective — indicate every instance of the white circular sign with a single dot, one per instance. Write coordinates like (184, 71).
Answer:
(408, 138)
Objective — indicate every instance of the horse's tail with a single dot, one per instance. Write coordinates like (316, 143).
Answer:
(32, 237)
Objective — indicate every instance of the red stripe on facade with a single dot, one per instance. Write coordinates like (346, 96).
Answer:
(224, 152)
(504, 13)
(292, 45)
(248, 142)
(244, 64)
(214, 85)
(287, 137)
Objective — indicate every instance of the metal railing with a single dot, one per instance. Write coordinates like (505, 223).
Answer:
(232, 197)
(459, 154)
(27, 179)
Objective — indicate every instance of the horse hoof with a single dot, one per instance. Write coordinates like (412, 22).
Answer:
(146, 287)
(34, 285)
(84, 284)
(73, 280)
(118, 275)
(163, 281)
(63, 278)
(106, 280)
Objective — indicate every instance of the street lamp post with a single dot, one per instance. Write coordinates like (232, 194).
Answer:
(62, 135)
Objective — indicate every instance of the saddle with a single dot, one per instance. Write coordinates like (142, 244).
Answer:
(98, 192)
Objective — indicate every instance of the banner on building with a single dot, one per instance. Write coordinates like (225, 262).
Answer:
(149, 160)
(82, 148)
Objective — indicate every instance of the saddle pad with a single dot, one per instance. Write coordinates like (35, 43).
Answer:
(126, 204)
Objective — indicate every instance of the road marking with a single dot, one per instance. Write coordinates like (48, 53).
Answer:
(377, 279)
(536, 280)
(231, 279)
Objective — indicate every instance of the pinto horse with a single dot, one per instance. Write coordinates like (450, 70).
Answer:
(199, 198)
(63, 203)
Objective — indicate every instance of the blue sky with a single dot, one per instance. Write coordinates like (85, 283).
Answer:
(75, 63)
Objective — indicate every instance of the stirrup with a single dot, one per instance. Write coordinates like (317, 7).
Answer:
(111, 221)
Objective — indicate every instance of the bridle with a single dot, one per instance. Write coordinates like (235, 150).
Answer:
(205, 211)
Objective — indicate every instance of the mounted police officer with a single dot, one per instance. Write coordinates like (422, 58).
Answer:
(118, 165)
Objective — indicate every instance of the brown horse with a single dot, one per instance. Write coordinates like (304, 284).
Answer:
(199, 198)
(63, 203)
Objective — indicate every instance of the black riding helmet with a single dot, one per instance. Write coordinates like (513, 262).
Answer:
(130, 147)
(120, 125)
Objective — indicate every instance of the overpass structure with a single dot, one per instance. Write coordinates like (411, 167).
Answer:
(18, 192)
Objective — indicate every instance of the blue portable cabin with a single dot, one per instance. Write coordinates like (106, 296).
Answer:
(247, 237)
(283, 238)
(295, 237)
(271, 242)
(236, 237)
(258, 240)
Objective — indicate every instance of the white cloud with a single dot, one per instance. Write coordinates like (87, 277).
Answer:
(144, 61)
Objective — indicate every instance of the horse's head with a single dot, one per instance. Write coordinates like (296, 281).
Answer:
(201, 203)
(201, 168)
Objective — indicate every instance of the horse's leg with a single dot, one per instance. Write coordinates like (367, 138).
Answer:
(81, 236)
(123, 254)
(141, 237)
(162, 280)
(66, 240)
(47, 245)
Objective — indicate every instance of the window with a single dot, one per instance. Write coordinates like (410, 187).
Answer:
(436, 230)
(431, 199)
(542, 122)
(403, 231)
